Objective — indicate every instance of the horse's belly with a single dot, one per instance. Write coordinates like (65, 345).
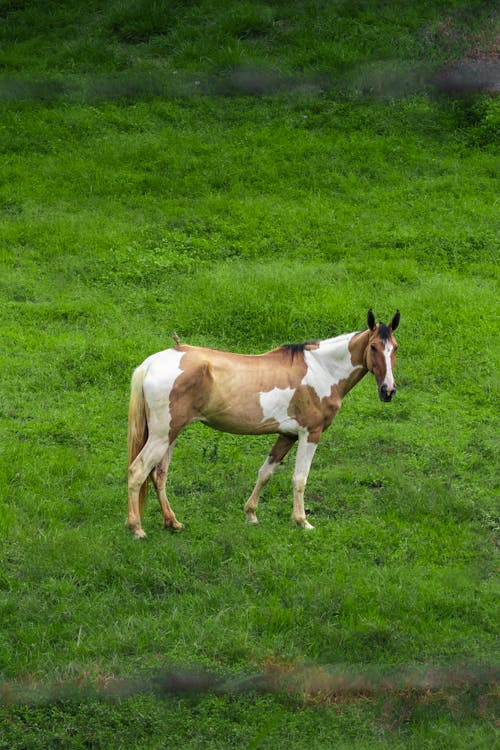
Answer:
(261, 413)
(240, 424)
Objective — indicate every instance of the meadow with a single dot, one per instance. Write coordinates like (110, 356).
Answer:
(247, 175)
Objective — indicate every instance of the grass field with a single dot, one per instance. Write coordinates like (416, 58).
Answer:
(247, 174)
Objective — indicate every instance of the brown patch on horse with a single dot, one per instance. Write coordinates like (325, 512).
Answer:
(213, 389)
(190, 391)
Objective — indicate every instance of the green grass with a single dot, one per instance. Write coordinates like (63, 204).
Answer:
(271, 202)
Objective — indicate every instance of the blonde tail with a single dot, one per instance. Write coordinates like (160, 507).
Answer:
(137, 427)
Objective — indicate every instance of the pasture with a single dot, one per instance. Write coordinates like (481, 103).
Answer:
(247, 175)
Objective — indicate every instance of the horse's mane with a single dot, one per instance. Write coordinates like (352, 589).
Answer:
(294, 349)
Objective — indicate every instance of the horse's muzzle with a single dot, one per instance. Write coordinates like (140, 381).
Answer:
(385, 394)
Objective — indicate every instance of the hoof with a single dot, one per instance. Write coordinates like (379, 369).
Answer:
(252, 519)
(174, 525)
(304, 525)
(139, 534)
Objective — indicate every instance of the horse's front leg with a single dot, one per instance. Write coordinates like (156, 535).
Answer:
(275, 457)
(308, 443)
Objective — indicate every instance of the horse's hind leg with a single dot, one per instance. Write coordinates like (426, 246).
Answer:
(159, 477)
(276, 455)
(138, 472)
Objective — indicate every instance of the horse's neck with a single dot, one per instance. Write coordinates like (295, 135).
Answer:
(343, 357)
(358, 345)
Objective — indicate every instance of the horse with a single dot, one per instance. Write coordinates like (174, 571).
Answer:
(294, 391)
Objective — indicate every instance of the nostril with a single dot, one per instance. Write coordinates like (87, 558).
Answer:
(385, 393)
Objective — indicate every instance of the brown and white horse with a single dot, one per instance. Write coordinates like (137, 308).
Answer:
(294, 391)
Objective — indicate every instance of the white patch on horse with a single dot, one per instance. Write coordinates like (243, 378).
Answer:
(162, 370)
(389, 377)
(329, 364)
(274, 405)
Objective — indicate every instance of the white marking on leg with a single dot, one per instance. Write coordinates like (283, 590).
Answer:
(277, 454)
(265, 473)
(305, 454)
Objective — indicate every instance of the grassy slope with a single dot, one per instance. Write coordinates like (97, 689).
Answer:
(242, 222)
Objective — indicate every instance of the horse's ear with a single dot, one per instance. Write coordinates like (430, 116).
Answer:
(395, 321)
(370, 319)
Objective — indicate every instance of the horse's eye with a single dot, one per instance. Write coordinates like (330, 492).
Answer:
(373, 347)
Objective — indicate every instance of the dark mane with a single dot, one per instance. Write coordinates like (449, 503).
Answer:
(295, 349)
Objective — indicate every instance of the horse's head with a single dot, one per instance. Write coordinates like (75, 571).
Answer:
(380, 354)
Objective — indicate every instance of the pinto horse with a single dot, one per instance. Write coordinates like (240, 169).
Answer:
(294, 391)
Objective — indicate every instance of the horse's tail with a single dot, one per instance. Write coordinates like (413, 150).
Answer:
(137, 427)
